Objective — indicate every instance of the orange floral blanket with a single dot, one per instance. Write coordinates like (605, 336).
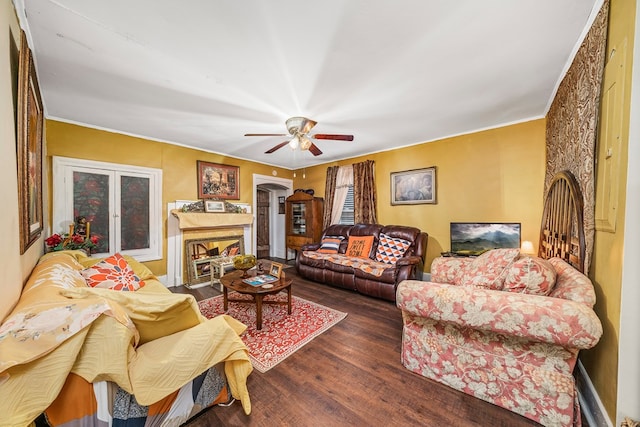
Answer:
(367, 265)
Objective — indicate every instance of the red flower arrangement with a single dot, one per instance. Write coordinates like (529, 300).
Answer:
(61, 242)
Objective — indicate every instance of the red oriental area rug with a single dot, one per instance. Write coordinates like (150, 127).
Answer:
(281, 334)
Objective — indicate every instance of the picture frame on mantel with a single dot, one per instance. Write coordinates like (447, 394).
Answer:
(414, 187)
(217, 181)
(29, 148)
(214, 206)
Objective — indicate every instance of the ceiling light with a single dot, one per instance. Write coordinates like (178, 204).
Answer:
(294, 142)
(305, 143)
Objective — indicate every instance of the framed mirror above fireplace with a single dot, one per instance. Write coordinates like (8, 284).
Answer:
(200, 252)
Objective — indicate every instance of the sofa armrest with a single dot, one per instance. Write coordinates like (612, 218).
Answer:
(534, 317)
(310, 247)
(408, 260)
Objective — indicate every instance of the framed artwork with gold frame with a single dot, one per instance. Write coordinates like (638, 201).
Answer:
(216, 181)
(413, 187)
(29, 149)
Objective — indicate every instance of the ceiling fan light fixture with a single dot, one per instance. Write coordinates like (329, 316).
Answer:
(299, 128)
(294, 142)
(299, 125)
(305, 143)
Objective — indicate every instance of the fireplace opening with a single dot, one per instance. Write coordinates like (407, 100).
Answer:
(199, 253)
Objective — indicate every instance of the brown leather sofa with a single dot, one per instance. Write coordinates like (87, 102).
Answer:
(410, 266)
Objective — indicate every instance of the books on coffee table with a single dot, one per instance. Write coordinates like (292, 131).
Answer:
(260, 280)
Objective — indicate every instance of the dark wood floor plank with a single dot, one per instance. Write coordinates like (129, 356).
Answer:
(351, 375)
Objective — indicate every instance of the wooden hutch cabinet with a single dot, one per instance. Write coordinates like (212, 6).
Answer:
(304, 219)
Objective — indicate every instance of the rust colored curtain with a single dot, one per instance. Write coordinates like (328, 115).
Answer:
(329, 194)
(572, 122)
(364, 193)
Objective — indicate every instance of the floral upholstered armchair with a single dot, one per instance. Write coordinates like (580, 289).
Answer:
(503, 328)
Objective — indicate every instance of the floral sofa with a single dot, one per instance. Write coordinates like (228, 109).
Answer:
(369, 258)
(503, 328)
(88, 335)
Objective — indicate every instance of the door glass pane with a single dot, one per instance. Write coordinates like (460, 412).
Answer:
(91, 200)
(134, 207)
(299, 218)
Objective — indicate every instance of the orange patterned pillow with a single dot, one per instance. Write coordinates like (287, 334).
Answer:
(112, 273)
(391, 249)
(359, 246)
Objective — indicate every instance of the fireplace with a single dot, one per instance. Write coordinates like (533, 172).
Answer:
(199, 253)
(212, 230)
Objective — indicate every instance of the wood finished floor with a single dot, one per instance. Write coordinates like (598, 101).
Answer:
(351, 375)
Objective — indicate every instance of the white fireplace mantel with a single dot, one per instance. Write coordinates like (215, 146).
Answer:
(179, 221)
(200, 220)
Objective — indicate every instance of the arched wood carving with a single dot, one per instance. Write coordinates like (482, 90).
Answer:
(562, 231)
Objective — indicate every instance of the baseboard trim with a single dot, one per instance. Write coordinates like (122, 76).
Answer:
(163, 280)
(594, 412)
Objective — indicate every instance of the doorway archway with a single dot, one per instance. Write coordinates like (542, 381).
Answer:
(276, 187)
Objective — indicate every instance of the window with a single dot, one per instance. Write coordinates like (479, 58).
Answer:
(347, 216)
(122, 202)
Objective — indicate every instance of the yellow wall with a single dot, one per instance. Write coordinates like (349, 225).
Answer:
(178, 164)
(15, 267)
(601, 362)
(491, 176)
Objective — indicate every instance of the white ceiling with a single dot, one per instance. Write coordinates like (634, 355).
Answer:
(202, 73)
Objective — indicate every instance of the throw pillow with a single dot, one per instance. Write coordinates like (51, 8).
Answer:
(490, 269)
(359, 246)
(330, 244)
(530, 275)
(391, 249)
(112, 273)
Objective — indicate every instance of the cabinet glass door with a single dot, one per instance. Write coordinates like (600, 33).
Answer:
(299, 218)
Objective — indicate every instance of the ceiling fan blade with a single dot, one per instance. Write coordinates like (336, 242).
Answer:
(277, 147)
(313, 148)
(265, 134)
(334, 137)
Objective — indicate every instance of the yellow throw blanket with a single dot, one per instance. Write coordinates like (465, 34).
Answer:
(61, 326)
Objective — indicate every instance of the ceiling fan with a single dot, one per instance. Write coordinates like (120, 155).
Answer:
(299, 128)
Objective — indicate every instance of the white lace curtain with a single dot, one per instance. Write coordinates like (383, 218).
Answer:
(344, 179)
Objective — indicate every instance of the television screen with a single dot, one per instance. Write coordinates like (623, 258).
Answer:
(474, 238)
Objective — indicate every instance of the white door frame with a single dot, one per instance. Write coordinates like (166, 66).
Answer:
(288, 188)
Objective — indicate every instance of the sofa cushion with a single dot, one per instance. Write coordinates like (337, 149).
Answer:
(112, 273)
(376, 272)
(530, 275)
(391, 249)
(489, 269)
(330, 244)
(359, 246)
(311, 259)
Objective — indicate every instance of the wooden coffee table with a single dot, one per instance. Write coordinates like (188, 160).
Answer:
(233, 281)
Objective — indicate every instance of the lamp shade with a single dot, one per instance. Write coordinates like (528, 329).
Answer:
(527, 248)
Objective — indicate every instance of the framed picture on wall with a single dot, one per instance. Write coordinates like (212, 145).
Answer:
(29, 150)
(216, 181)
(413, 187)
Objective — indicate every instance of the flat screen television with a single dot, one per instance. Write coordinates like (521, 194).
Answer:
(474, 238)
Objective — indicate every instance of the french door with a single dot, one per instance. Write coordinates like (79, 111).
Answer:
(122, 203)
